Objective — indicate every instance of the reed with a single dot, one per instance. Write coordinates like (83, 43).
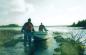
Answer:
(7, 35)
(72, 45)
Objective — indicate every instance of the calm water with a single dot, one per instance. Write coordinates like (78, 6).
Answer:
(53, 29)
(65, 30)
(49, 45)
(59, 29)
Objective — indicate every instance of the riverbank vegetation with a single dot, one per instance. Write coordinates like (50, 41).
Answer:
(81, 23)
(7, 35)
(10, 25)
(70, 46)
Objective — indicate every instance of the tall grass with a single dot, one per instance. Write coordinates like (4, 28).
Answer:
(73, 44)
(7, 35)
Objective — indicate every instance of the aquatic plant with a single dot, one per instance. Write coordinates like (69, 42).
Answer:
(7, 35)
(73, 44)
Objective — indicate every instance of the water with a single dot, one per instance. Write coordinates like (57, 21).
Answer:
(55, 29)
(49, 45)
(41, 48)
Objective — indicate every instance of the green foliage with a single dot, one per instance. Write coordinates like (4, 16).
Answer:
(10, 25)
(11, 42)
(81, 23)
(7, 35)
(71, 45)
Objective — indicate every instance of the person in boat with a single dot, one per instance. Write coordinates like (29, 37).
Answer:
(42, 28)
(28, 30)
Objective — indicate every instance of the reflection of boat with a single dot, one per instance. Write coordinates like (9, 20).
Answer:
(39, 43)
(40, 40)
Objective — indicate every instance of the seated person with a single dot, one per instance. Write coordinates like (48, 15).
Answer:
(42, 28)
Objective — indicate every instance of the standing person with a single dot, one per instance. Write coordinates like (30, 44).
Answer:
(42, 28)
(28, 30)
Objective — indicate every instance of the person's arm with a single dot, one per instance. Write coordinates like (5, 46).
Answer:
(33, 28)
(45, 29)
(23, 28)
(39, 28)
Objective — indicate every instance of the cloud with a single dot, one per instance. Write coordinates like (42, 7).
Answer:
(11, 8)
(56, 10)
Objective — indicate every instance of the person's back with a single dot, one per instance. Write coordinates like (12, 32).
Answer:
(42, 28)
(28, 26)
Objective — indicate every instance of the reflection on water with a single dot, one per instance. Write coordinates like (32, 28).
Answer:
(16, 50)
(60, 29)
(39, 47)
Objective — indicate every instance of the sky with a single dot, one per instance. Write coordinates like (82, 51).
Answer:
(49, 12)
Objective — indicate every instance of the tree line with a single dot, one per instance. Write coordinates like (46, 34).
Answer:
(81, 23)
(10, 25)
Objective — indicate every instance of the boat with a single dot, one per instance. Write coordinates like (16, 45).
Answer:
(43, 35)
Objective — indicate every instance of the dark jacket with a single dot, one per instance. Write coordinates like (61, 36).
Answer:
(42, 28)
(28, 27)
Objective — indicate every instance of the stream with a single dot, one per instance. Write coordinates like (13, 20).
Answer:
(45, 48)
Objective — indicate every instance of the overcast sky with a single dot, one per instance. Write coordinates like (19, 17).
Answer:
(49, 12)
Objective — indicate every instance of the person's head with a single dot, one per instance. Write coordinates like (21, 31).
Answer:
(29, 20)
(41, 24)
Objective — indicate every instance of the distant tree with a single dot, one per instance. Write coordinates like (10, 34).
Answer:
(74, 24)
(10, 25)
(81, 23)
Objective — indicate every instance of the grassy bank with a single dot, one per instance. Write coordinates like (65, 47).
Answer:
(7, 35)
(69, 46)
